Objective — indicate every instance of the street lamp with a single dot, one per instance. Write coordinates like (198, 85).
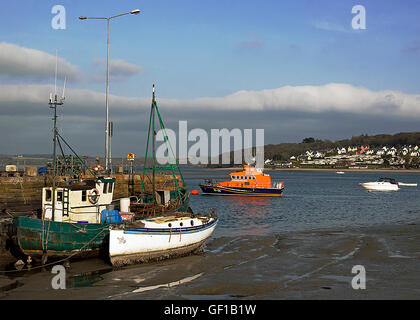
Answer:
(107, 130)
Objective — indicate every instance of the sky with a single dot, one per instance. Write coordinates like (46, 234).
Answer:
(293, 68)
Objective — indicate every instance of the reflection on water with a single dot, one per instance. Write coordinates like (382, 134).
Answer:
(85, 279)
(250, 213)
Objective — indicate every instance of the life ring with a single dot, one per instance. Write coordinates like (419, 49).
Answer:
(93, 196)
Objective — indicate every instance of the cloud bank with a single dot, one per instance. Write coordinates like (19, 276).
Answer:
(332, 97)
(290, 113)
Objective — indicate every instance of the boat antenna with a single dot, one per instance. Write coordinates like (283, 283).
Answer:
(64, 88)
(56, 68)
(53, 103)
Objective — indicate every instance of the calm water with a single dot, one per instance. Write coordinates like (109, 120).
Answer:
(311, 200)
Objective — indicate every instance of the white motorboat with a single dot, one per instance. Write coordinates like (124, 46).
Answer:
(383, 184)
(340, 172)
(159, 238)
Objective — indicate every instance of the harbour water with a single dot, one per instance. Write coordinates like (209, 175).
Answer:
(311, 200)
(302, 245)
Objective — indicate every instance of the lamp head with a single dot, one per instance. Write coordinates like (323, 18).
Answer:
(135, 11)
(82, 18)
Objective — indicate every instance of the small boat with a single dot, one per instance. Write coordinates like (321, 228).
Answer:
(159, 238)
(340, 172)
(250, 182)
(156, 233)
(383, 184)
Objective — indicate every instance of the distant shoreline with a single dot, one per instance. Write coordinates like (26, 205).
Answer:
(382, 170)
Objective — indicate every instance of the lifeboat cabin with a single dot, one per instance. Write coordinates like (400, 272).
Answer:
(251, 181)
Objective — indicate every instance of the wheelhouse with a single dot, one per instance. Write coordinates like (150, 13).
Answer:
(81, 203)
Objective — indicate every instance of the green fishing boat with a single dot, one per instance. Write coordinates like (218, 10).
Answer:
(75, 218)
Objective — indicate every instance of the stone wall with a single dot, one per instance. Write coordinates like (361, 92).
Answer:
(20, 194)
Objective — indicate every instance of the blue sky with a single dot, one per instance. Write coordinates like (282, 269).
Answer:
(198, 49)
(193, 48)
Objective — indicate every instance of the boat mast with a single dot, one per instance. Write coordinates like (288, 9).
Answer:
(154, 140)
(154, 109)
(53, 103)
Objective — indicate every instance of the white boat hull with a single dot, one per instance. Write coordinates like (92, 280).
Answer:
(380, 186)
(155, 241)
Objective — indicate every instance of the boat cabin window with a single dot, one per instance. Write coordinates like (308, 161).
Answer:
(110, 187)
(47, 195)
(84, 195)
(105, 187)
(59, 195)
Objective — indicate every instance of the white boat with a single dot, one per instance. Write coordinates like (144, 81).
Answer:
(159, 234)
(159, 238)
(383, 184)
(340, 172)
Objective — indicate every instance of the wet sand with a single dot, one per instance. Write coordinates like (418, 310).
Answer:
(297, 265)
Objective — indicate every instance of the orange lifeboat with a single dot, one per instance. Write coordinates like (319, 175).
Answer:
(250, 181)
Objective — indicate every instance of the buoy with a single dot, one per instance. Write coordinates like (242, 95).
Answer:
(194, 192)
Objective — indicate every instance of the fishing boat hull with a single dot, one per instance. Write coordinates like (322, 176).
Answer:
(130, 245)
(34, 237)
(219, 190)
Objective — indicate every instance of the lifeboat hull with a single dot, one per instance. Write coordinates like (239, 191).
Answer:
(236, 191)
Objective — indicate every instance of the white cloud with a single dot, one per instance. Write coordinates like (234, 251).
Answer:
(333, 97)
(119, 69)
(17, 62)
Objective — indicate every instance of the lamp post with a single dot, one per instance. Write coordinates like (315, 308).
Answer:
(107, 129)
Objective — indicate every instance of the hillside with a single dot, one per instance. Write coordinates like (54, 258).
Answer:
(284, 151)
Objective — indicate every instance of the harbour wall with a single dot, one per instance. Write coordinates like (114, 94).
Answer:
(23, 193)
